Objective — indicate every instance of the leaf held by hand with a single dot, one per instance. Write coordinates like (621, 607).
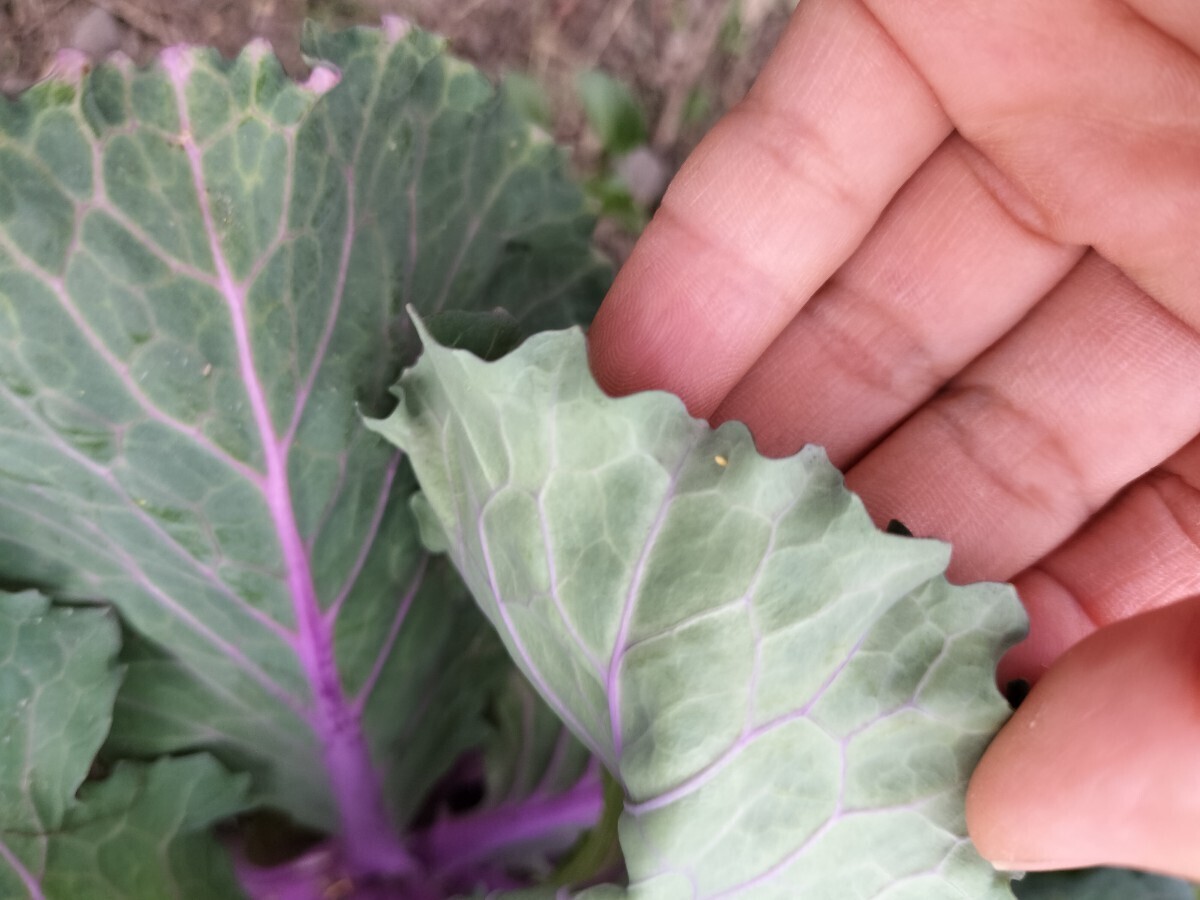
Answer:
(792, 700)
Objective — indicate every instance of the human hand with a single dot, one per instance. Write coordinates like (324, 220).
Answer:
(956, 244)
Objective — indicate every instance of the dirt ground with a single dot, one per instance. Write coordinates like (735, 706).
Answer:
(685, 60)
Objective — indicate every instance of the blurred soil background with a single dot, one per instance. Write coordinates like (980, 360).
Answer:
(627, 86)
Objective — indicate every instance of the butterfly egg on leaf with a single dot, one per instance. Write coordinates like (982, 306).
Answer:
(720, 460)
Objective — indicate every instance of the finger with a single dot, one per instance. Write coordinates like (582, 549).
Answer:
(1175, 17)
(1091, 110)
(774, 199)
(943, 275)
(1140, 553)
(1093, 389)
(1097, 766)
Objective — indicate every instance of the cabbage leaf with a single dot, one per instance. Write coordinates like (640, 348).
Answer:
(792, 700)
(141, 830)
(203, 267)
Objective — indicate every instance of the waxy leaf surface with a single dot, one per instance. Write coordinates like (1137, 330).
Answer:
(792, 700)
(203, 266)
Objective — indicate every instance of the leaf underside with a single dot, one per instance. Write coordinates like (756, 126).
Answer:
(792, 700)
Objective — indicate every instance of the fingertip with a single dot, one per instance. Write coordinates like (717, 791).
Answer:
(674, 324)
(627, 345)
(1096, 767)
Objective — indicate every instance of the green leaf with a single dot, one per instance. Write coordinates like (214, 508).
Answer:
(612, 111)
(139, 833)
(489, 335)
(792, 699)
(144, 834)
(531, 751)
(698, 109)
(529, 97)
(599, 850)
(203, 269)
(58, 679)
(612, 199)
(1101, 884)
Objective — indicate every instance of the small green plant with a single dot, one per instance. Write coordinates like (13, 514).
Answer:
(617, 119)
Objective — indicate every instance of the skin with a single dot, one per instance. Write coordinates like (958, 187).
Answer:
(956, 244)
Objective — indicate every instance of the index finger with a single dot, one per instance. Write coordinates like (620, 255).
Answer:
(772, 202)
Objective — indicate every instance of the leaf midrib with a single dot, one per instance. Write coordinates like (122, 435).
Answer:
(366, 826)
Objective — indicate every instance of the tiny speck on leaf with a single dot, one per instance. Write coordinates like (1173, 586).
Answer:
(721, 461)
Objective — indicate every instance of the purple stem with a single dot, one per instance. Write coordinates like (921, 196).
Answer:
(453, 844)
(367, 834)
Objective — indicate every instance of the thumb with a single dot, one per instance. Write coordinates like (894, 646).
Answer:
(1099, 765)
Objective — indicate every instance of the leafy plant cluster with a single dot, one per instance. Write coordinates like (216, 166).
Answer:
(239, 655)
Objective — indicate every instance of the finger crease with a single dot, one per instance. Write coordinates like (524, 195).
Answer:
(910, 372)
(1012, 199)
(1177, 506)
(723, 249)
(1091, 617)
(799, 154)
(1044, 440)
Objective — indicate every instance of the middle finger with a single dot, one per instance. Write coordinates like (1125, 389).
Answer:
(945, 272)
(1094, 388)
